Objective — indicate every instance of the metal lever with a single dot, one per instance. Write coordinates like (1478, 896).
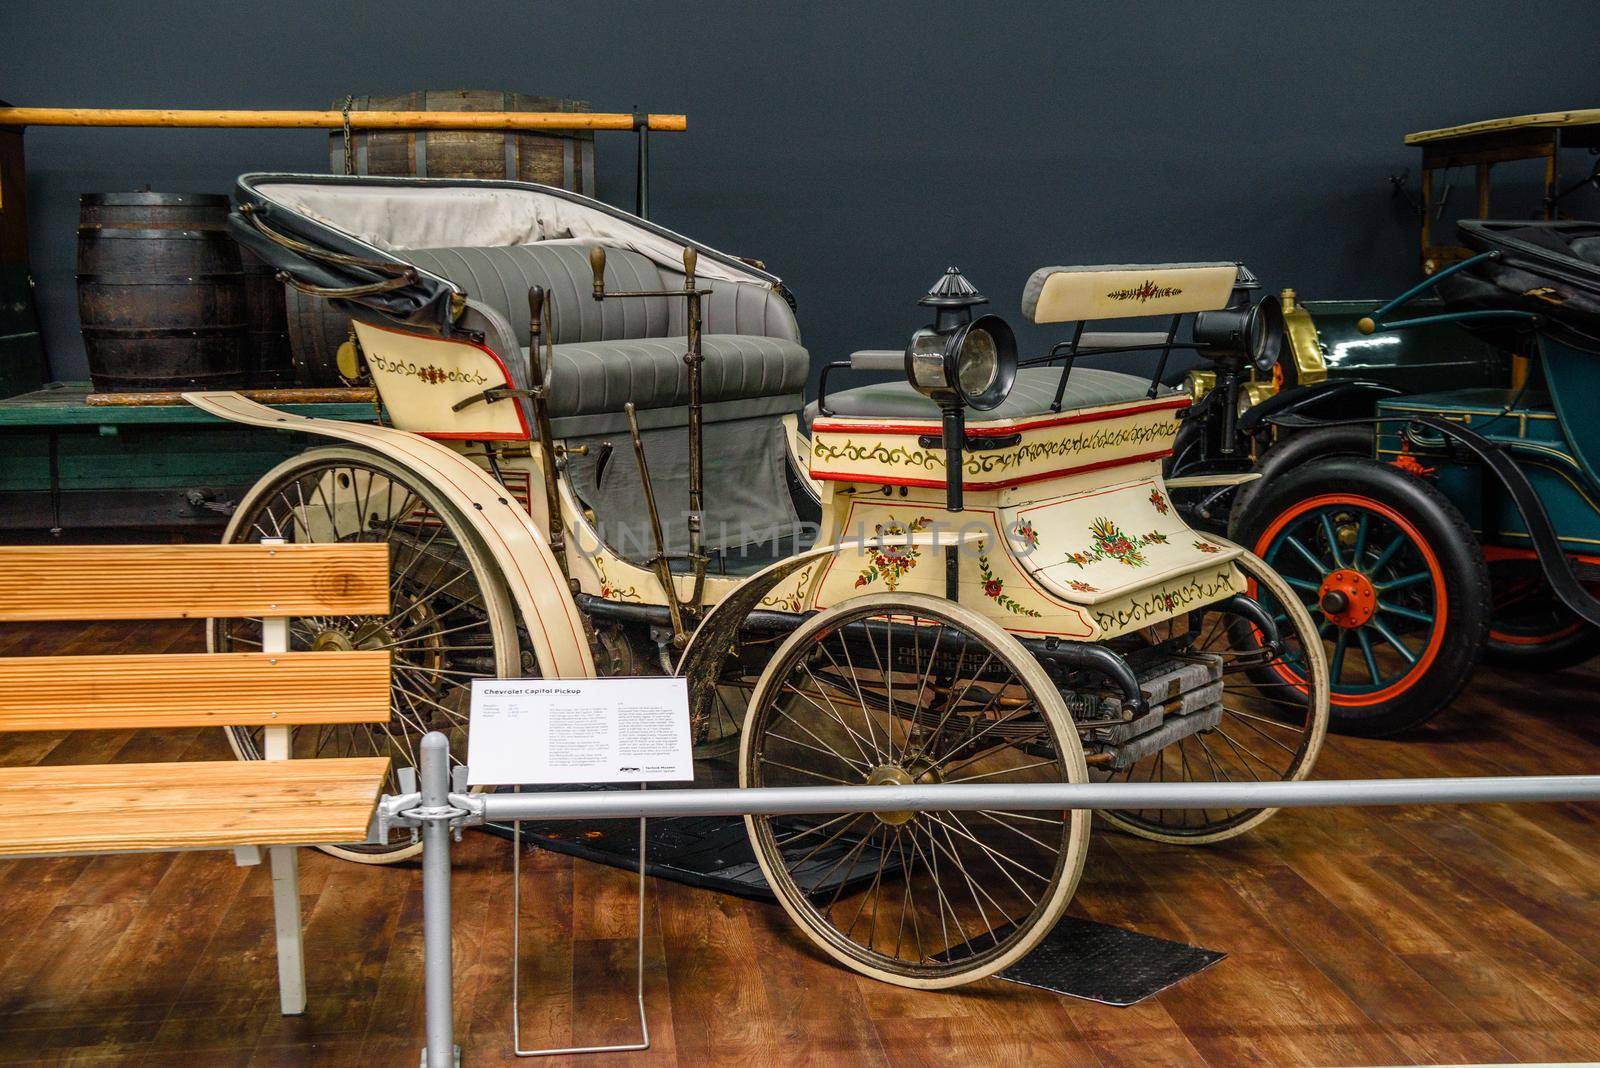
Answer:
(538, 308)
(658, 562)
(693, 360)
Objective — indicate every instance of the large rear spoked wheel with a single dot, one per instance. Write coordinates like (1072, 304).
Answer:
(1274, 713)
(905, 689)
(450, 618)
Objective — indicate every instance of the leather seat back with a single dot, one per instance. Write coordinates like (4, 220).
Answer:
(501, 275)
(733, 308)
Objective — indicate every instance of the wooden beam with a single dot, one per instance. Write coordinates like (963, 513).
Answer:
(1577, 117)
(133, 692)
(227, 119)
(297, 395)
(66, 582)
(108, 808)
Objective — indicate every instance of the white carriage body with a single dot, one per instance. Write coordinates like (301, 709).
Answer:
(1076, 535)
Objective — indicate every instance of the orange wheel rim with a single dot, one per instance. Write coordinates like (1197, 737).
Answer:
(1358, 601)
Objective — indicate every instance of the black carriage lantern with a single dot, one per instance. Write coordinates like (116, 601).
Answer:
(959, 361)
(1252, 331)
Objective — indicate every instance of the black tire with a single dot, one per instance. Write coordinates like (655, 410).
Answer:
(1530, 629)
(1295, 449)
(1416, 588)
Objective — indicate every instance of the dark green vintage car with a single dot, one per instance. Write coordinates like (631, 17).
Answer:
(1503, 594)
(1472, 522)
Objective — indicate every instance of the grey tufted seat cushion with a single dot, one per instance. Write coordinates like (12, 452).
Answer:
(607, 353)
(594, 377)
(1035, 389)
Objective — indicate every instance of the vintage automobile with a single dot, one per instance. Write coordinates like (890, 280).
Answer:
(1256, 419)
(1481, 506)
(597, 461)
(1329, 370)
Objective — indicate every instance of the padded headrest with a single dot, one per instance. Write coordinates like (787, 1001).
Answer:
(1122, 291)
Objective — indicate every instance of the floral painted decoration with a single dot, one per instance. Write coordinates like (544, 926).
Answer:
(1111, 543)
(1159, 502)
(1023, 529)
(891, 562)
(1206, 546)
(994, 587)
(1082, 586)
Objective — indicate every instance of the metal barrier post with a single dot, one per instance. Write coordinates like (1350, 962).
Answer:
(441, 1050)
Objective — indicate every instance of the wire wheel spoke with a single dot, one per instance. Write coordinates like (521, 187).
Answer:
(920, 692)
(1268, 723)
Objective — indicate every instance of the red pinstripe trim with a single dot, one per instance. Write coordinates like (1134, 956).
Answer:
(823, 426)
(930, 483)
(1121, 487)
(466, 436)
(362, 433)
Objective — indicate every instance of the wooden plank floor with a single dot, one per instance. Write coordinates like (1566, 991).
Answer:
(1374, 936)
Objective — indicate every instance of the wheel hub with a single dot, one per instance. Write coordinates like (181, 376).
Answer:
(1347, 598)
(332, 641)
(892, 775)
(337, 640)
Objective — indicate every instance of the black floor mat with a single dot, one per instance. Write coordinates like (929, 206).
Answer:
(706, 851)
(1111, 965)
(1080, 958)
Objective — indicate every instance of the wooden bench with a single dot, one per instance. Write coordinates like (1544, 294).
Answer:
(240, 805)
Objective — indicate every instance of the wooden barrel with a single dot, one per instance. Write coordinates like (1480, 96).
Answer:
(316, 330)
(267, 356)
(559, 159)
(566, 160)
(160, 291)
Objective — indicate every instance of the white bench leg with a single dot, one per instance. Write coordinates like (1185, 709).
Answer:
(285, 859)
(286, 916)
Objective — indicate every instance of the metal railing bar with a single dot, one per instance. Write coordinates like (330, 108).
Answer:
(774, 801)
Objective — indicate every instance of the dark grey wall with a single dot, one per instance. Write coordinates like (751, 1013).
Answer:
(857, 148)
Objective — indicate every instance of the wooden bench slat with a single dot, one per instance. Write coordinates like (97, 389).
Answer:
(45, 693)
(105, 808)
(98, 582)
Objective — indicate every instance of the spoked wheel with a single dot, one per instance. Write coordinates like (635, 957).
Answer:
(1394, 576)
(1273, 720)
(450, 620)
(1531, 629)
(901, 689)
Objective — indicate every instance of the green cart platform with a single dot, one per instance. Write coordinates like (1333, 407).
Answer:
(70, 469)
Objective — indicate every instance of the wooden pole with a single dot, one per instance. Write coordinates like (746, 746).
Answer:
(334, 120)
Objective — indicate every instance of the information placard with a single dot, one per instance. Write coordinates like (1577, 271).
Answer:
(579, 731)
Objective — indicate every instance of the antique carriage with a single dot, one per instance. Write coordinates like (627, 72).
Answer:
(596, 460)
